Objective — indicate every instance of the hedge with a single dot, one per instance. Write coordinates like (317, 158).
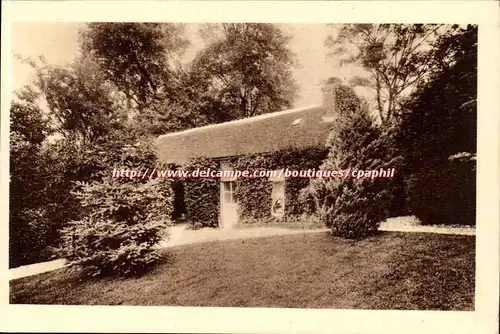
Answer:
(444, 193)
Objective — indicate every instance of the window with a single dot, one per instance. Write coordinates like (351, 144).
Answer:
(278, 199)
(226, 167)
(228, 192)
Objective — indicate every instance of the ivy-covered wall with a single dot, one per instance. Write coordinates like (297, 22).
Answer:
(202, 195)
(254, 195)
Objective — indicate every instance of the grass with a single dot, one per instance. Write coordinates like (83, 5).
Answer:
(310, 270)
(287, 225)
(294, 223)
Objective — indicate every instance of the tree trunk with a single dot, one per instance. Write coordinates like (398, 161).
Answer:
(379, 102)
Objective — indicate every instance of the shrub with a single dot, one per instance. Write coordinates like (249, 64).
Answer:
(300, 159)
(316, 199)
(254, 198)
(123, 224)
(201, 195)
(398, 206)
(444, 194)
(30, 237)
(31, 231)
(352, 208)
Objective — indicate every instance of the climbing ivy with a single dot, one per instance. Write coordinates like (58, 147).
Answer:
(201, 195)
(254, 195)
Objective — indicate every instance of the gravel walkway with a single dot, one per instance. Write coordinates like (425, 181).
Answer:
(412, 224)
(37, 268)
(181, 235)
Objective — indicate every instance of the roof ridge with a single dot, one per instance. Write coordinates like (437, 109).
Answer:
(241, 120)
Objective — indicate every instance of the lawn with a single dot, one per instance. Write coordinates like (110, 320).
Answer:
(311, 270)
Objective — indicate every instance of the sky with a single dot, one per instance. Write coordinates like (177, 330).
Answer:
(58, 43)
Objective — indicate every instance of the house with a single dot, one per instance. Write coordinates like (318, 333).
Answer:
(263, 134)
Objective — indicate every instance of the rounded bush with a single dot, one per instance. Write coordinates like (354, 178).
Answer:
(123, 224)
(352, 208)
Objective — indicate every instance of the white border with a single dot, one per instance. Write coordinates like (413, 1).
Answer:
(276, 11)
(256, 320)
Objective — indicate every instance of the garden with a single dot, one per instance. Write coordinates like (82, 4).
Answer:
(106, 109)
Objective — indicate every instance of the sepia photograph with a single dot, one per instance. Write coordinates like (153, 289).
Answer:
(267, 165)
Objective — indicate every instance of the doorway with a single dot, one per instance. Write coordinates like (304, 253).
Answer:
(229, 207)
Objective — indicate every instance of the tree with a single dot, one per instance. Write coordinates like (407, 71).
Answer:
(246, 70)
(396, 58)
(137, 57)
(27, 119)
(29, 232)
(81, 128)
(439, 119)
(352, 207)
(141, 60)
(437, 134)
(57, 124)
(82, 105)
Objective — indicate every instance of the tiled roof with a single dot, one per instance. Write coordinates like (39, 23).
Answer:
(301, 127)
